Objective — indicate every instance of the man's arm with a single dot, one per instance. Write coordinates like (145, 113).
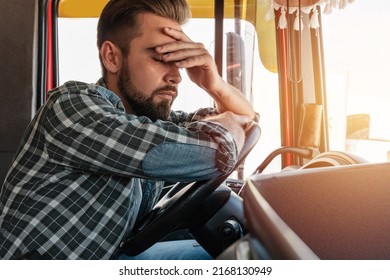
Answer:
(202, 70)
(235, 111)
(87, 133)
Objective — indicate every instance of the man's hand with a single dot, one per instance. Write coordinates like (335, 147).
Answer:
(193, 57)
(235, 124)
(202, 70)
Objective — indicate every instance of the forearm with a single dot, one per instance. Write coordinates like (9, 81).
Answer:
(202, 70)
(229, 98)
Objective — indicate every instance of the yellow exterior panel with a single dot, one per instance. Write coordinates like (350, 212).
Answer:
(93, 8)
(81, 9)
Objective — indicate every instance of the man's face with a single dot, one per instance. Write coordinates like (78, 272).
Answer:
(149, 86)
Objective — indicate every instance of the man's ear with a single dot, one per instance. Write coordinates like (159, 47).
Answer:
(111, 57)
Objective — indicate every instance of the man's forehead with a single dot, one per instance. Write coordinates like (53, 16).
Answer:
(152, 28)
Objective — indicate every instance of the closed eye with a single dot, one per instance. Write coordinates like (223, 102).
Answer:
(158, 59)
(154, 55)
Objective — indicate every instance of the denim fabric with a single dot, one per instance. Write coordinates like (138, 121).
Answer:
(172, 250)
(196, 162)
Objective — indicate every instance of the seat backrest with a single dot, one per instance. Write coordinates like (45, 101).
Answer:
(339, 212)
(17, 74)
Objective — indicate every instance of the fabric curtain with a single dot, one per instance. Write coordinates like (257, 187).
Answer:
(297, 7)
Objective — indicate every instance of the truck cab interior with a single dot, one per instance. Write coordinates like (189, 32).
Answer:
(292, 196)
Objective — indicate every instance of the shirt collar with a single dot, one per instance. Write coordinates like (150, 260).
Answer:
(101, 86)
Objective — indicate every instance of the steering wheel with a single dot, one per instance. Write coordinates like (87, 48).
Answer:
(179, 203)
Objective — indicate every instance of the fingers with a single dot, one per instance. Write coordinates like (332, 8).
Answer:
(187, 58)
(182, 41)
(176, 34)
(192, 56)
(179, 45)
(183, 50)
(185, 54)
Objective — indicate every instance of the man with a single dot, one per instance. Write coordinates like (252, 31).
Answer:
(95, 157)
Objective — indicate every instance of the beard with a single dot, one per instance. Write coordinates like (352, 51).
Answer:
(142, 104)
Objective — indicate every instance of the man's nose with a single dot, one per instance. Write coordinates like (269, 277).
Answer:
(173, 75)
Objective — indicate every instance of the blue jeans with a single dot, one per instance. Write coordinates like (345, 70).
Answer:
(172, 250)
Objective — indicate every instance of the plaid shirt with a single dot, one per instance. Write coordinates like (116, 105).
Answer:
(78, 181)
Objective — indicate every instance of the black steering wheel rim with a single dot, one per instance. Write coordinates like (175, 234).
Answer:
(179, 203)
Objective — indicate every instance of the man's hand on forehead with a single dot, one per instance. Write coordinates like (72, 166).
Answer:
(192, 56)
(183, 50)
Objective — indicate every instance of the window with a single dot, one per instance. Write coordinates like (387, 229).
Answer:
(356, 44)
(78, 60)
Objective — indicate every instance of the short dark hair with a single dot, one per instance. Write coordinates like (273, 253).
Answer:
(118, 21)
